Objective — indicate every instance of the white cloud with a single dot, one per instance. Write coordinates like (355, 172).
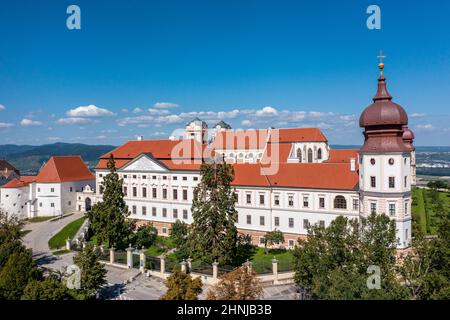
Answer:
(425, 126)
(4, 125)
(417, 115)
(165, 105)
(266, 112)
(54, 138)
(124, 110)
(29, 123)
(135, 120)
(2, 107)
(100, 137)
(158, 111)
(89, 111)
(70, 121)
(246, 123)
(137, 110)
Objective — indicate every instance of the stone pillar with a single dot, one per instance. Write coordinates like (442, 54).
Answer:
(215, 269)
(68, 244)
(248, 265)
(183, 266)
(275, 270)
(111, 255)
(130, 257)
(163, 264)
(189, 262)
(142, 260)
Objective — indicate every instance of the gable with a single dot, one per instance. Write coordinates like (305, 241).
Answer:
(144, 163)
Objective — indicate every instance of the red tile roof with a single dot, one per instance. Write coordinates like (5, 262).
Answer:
(298, 175)
(240, 139)
(342, 155)
(270, 154)
(23, 181)
(64, 169)
(297, 135)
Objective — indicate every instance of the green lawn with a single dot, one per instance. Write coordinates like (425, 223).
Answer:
(424, 208)
(59, 252)
(69, 231)
(262, 263)
(39, 219)
(162, 245)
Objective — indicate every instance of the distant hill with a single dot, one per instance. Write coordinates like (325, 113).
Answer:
(28, 159)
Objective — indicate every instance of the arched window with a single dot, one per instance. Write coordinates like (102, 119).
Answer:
(310, 155)
(340, 202)
(319, 153)
(299, 155)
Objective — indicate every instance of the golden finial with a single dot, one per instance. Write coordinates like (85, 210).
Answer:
(381, 64)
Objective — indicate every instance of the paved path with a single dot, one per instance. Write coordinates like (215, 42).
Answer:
(38, 238)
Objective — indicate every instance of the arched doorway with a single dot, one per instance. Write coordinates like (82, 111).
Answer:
(310, 156)
(88, 204)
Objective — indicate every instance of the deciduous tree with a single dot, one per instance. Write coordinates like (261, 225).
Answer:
(181, 286)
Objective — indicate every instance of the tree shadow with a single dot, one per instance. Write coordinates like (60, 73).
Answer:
(110, 292)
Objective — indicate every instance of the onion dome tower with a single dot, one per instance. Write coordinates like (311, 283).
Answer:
(385, 161)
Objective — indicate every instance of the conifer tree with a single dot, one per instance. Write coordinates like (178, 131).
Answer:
(109, 217)
(213, 233)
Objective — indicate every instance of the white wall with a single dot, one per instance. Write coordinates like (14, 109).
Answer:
(13, 201)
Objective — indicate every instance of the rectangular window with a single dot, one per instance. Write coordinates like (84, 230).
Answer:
(40, 204)
(373, 182)
(391, 182)
(134, 209)
(164, 230)
(125, 176)
(164, 177)
(71, 189)
(276, 200)
(39, 189)
(153, 193)
(406, 208)
(144, 177)
(185, 195)
(134, 192)
(195, 178)
(164, 194)
(184, 178)
(306, 202)
(261, 199)
(175, 213)
(164, 212)
(125, 191)
(237, 197)
(175, 194)
(144, 211)
(322, 223)
(154, 211)
(100, 175)
(154, 177)
(249, 219)
(291, 200)
(277, 221)
(392, 209)
(185, 214)
(291, 222)
(261, 220)
(321, 202)
(305, 223)
(144, 192)
(406, 234)
(175, 178)
(355, 204)
(69, 203)
(52, 205)
(248, 198)
(290, 243)
(52, 190)
(406, 181)
(373, 207)
(134, 176)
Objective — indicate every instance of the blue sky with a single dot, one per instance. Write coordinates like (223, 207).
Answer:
(148, 67)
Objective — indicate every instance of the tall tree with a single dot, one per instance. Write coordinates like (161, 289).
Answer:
(333, 263)
(51, 288)
(239, 284)
(213, 234)
(109, 217)
(92, 271)
(181, 286)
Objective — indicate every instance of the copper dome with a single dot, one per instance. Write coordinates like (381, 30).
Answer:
(408, 135)
(383, 111)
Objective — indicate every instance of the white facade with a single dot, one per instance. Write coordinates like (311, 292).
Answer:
(14, 201)
(310, 152)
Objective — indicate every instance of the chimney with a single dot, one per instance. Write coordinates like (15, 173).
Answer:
(140, 138)
(352, 164)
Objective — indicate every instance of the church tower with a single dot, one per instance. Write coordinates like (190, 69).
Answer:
(385, 162)
(197, 130)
